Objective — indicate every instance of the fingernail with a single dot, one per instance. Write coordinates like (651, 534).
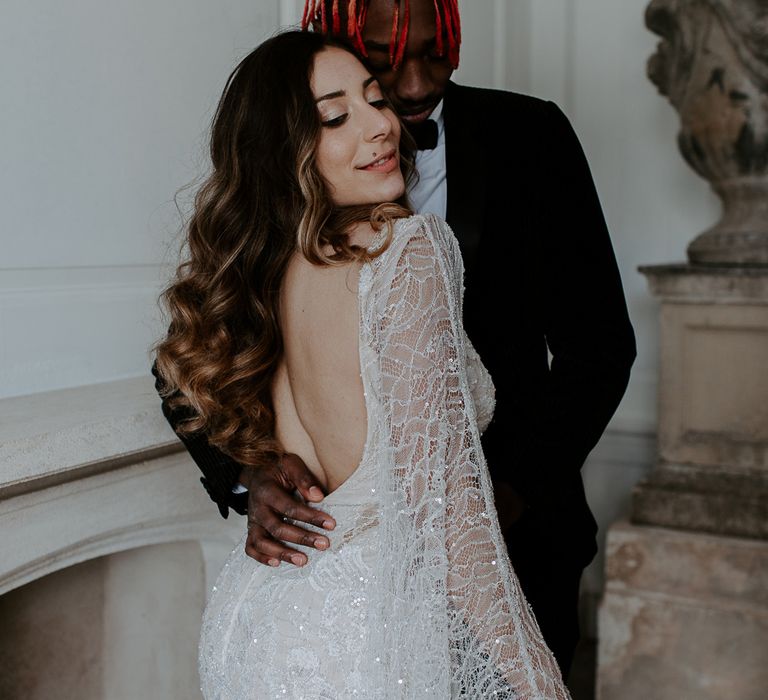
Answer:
(328, 524)
(320, 543)
(273, 562)
(315, 492)
(297, 559)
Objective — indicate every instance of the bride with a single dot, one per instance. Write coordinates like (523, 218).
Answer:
(317, 316)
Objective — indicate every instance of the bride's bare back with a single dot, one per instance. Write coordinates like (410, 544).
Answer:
(317, 390)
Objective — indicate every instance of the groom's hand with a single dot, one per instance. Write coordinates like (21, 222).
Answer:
(270, 499)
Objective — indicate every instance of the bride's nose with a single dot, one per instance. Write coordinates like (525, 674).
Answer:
(376, 125)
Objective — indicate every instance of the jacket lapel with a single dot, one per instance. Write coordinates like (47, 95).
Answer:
(466, 170)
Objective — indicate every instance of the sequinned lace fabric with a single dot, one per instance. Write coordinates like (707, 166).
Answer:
(416, 596)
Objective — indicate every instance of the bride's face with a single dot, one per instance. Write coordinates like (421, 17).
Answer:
(358, 152)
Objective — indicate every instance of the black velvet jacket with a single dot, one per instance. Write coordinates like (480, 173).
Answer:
(540, 273)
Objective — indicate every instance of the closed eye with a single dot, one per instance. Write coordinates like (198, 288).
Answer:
(379, 104)
(336, 121)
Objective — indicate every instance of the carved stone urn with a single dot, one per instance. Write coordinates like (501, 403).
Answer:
(712, 64)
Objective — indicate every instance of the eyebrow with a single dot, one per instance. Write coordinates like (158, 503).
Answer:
(340, 93)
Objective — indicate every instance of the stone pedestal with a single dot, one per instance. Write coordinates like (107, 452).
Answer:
(685, 610)
(684, 616)
(712, 472)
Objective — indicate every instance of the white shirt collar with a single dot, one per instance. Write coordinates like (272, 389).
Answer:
(430, 193)
(437, 115)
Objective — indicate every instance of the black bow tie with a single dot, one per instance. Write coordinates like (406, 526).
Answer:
(425, 134)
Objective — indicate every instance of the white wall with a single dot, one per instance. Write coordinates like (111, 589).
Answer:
(104, 112)
(104, 108)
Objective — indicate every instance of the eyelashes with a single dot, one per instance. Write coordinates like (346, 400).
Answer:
(338, 121)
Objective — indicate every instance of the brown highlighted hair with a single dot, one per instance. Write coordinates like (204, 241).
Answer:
(263, 200)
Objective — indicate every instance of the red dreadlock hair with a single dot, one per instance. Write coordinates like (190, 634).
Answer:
(446, 22)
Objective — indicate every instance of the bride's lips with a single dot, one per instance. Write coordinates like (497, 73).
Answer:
(383, 164)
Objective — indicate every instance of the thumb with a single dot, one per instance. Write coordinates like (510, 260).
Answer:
(297, 472)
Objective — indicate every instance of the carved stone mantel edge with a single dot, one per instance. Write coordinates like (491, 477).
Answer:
(122, 499)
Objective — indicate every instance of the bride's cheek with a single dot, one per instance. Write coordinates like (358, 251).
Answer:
(333, 153)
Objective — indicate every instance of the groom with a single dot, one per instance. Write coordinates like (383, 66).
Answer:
(509, 175)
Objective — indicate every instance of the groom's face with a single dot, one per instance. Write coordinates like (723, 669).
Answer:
(418, 84)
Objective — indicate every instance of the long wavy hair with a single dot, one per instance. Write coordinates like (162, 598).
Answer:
(263, 200)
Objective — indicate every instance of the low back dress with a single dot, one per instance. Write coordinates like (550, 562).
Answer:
(416, 596)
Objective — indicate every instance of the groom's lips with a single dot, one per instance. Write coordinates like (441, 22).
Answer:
(417, 116)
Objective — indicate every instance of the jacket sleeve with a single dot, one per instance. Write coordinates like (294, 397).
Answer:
(445, 564)
(220, 472)
(585, 322)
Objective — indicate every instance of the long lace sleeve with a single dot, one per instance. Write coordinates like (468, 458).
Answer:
(453, 621)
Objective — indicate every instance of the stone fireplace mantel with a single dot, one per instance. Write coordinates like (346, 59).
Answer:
(96, 472)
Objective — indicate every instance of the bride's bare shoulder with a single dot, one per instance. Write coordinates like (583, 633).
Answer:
(309, 286)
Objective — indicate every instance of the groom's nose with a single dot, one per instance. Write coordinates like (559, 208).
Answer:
(413, 83)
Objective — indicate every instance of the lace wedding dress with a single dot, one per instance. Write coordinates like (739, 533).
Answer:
(416, 597)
